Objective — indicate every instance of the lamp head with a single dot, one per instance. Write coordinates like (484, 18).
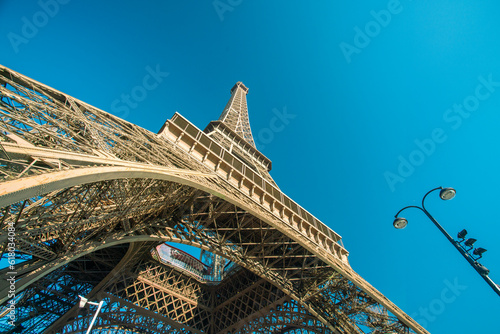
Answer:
(83, 301)
(447, 193)
(469, 242)
(400, 223)
(462, 234)
(479, 251)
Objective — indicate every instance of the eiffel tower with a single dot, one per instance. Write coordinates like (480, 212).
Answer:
(93, 205)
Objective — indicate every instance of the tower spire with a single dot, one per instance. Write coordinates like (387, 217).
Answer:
(235, 114)
(232, 132)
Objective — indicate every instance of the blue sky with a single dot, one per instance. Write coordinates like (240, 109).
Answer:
(386, 100)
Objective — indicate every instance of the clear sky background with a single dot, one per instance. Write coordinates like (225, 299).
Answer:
(385, 101)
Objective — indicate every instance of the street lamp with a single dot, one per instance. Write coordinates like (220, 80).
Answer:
(447, 194)
(83, 302)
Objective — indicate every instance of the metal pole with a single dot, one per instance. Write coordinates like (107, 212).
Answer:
(469, 258)
(95, 315)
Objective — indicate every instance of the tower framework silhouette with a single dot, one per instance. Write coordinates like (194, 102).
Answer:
(88, 200)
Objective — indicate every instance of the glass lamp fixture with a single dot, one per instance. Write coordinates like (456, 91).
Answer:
(447, 193)
(400, 223)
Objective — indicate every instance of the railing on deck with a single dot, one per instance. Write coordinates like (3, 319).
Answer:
(187, 263)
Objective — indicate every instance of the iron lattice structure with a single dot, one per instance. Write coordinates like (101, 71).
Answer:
(87, 197)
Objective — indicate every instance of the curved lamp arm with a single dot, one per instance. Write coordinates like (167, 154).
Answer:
(446, 193)
(407, 207)
(423, 199)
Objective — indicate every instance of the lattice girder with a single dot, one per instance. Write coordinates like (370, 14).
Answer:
(287, 316)
(51, 296)
(216, 210)
(180, 230)
(123, 317)
(178, 298)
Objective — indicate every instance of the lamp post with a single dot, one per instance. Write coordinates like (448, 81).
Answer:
(83, 302)
(465, 248)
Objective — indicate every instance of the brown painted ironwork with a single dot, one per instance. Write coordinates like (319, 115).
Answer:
(90, 197)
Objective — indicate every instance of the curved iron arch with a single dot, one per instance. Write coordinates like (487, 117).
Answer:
(78, 178)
